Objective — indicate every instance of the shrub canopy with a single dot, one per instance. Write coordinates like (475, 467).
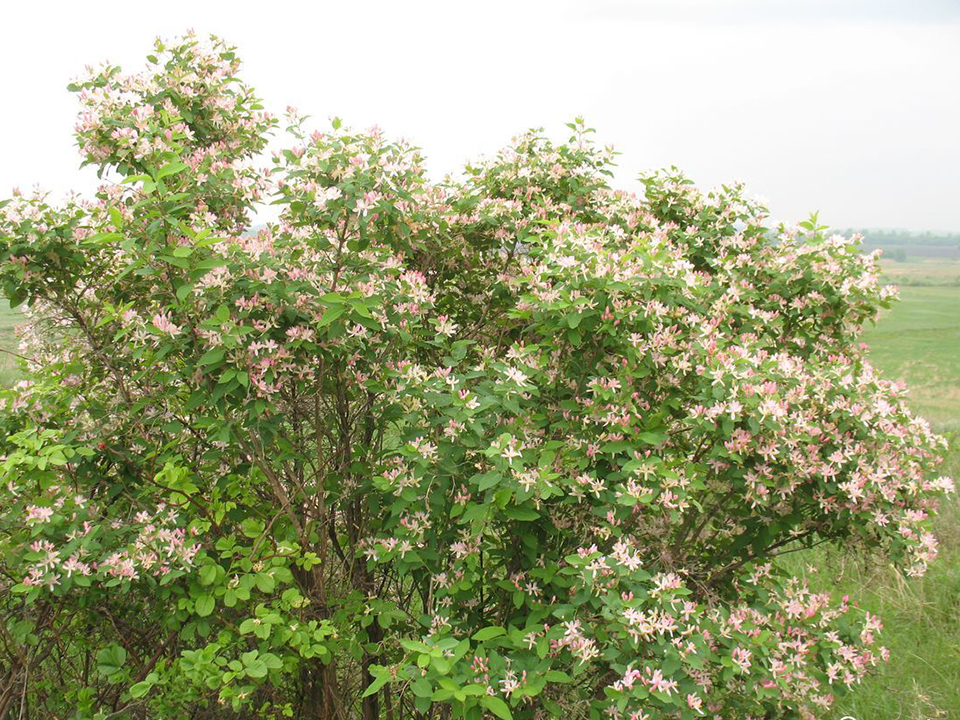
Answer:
(515, 444)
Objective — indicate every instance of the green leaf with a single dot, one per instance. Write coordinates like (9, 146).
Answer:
(292, 596)
(520, 513)
(488, 633)
(140, 689)
(271, 661)
(361, 308)
(257, 669)
(489, 480)
(497, 706)
(330, 315)
(205, 604)
(265, 583)
(212, 356)
(251, 527)
(111, 659)
(171, 169)
(208, 573)
(653, 438)
(116, 219)
(378, 682)
(103, 238)
(414, 645)
(421, 688)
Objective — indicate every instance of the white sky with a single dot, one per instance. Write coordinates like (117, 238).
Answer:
(850, 107)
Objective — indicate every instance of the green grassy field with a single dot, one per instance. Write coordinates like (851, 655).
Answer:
(917, 341)
(923, 271)
(8, 363)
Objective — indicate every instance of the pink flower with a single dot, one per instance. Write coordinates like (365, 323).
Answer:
(38, 514)
(368, 201)
(741, 658)
(659, 683)
(164, 324)
(325, 195)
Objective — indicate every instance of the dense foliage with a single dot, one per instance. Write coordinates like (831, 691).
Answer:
(513, 445)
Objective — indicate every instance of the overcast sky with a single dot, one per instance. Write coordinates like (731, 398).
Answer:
(849, 107)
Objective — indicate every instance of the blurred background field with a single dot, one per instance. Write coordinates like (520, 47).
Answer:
(8, 342)
(917, 341)
(922, 271)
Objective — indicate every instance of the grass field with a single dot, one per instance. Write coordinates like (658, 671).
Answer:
(925, 271)
(917, 341)
(8, 363)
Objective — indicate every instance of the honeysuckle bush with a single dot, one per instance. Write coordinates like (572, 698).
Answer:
(514, 445)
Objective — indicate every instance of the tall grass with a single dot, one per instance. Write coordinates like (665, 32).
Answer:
(918, 341)
(921, 619)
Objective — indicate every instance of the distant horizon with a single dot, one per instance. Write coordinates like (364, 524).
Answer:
(953, 234)
(840, 228)
(909, 231)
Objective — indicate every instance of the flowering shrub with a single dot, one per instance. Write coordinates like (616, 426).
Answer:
(515, 445)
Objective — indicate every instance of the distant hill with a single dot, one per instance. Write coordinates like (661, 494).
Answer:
(901, 244)
(882, 236)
